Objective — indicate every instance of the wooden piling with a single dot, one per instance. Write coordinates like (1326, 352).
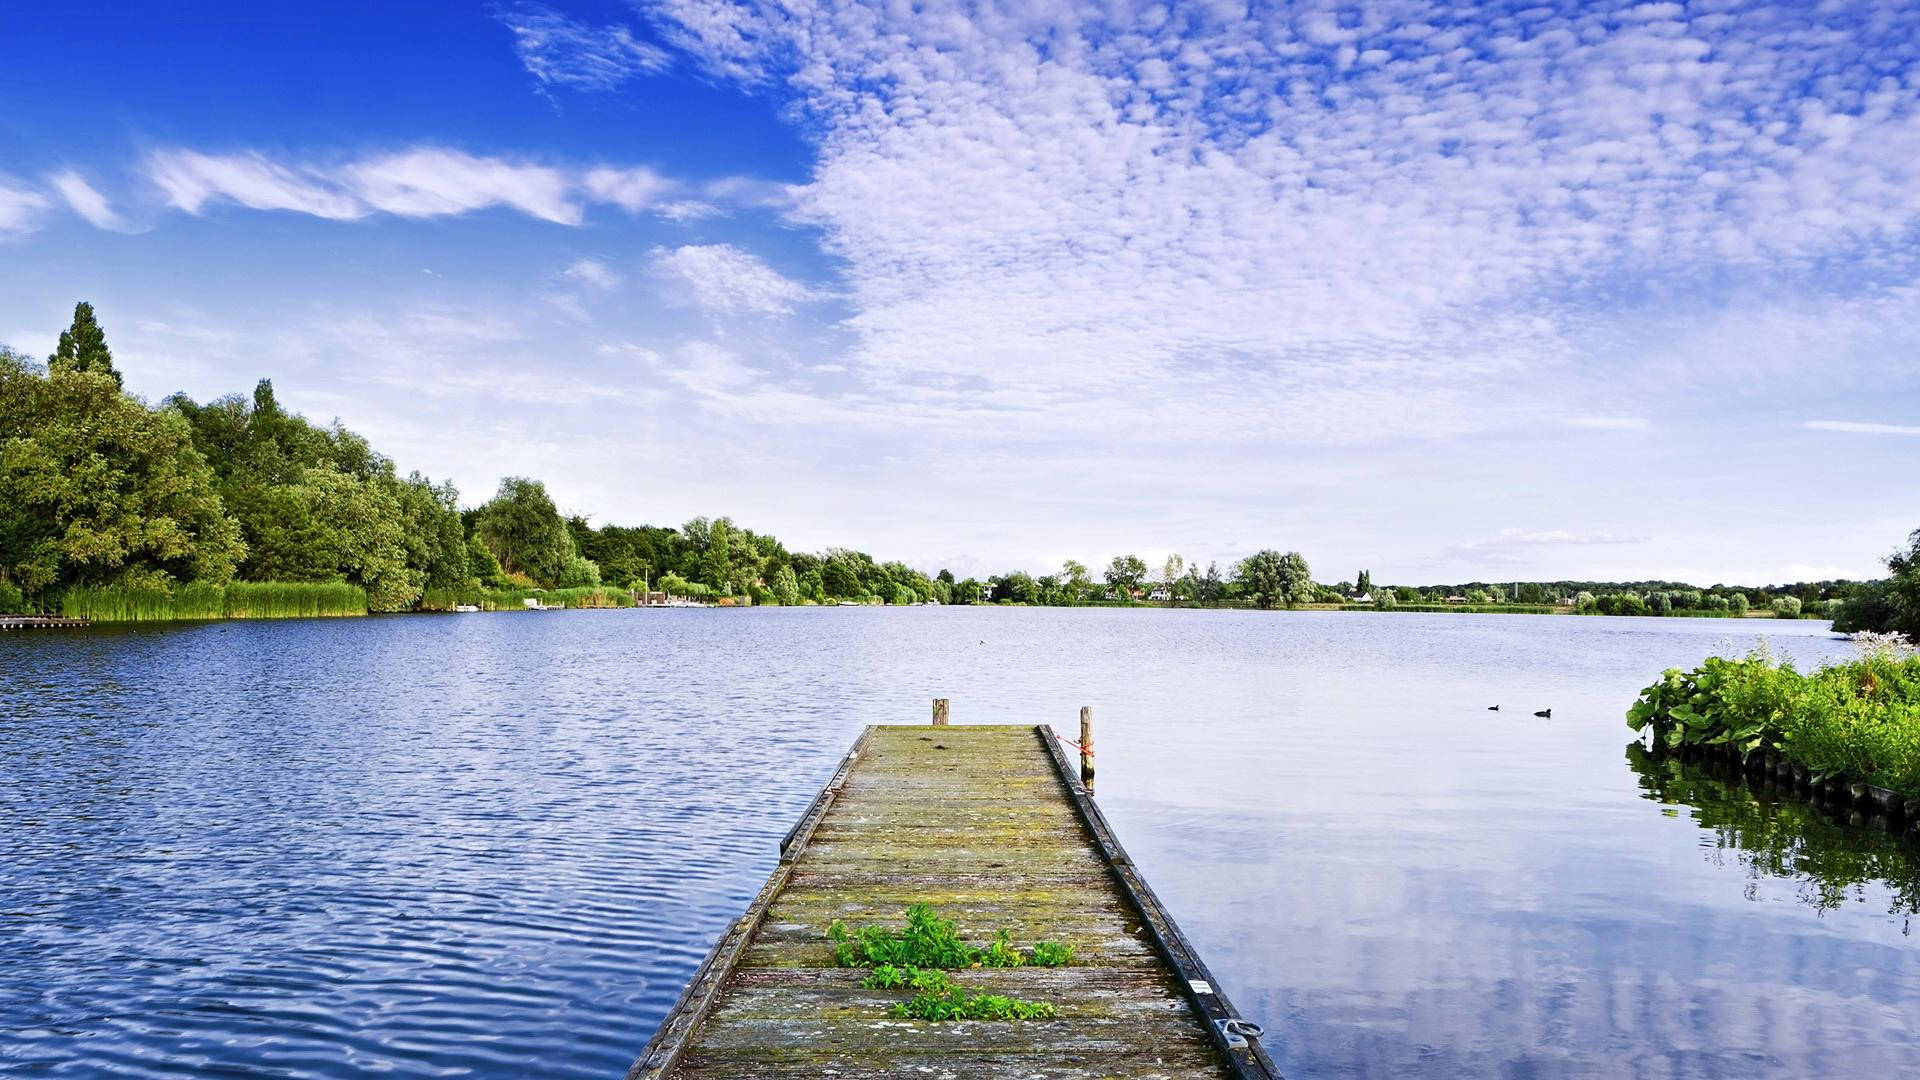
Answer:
(939, 712)
(985, 824)
(1086, 748)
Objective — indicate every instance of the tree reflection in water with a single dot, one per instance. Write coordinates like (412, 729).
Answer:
(1834, 854)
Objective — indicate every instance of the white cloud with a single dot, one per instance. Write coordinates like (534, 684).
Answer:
(429, 183)
(1611, 423)
(592, 273)
(1509, 539)
(1510, 544)
(83, 199)
(20, 208)
(422, 182)
(631, 189)
(722, 278)
(1861, 428)
(1305, 214)
(559, 51)
(190, 180)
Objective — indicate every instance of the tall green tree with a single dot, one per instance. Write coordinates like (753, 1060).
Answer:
(83, 347)
(96, 488)
(1125, 573)
(1276, 580)
(524, 530)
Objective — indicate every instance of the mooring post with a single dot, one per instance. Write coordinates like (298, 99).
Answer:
(940, 712)
(1086, 748)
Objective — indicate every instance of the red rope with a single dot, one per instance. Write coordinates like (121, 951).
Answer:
(1087, 750)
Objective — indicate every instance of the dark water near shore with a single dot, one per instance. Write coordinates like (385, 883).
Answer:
(496, 845)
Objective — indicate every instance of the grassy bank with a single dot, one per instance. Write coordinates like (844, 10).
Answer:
(1856, 721)
(199, 600)
(598, 596)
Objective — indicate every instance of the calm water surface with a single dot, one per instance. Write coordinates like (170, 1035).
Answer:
(496, 845)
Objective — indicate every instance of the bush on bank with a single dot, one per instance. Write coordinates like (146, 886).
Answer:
(1858, 721)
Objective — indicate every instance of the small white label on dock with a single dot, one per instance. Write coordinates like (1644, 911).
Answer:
(1201, 986)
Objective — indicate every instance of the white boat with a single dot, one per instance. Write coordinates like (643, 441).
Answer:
(466, 607)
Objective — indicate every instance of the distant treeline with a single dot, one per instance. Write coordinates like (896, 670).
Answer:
(108, 504)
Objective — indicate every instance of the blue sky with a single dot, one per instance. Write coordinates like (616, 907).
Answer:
(1448, 291)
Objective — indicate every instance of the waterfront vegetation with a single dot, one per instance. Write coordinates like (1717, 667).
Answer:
(206, 600)
(1857, 721)
(125, 510)
(918, 957)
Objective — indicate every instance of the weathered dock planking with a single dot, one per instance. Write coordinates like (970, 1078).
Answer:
(990, 826)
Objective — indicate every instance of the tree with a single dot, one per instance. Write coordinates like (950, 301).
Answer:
(1211, 584)
(1170, 572)
(97, 489)
(1787, 607)
(83, 347)
(1584, 602)
(524, 530)
(579, 572)
(1074, 580)
(1017, 587)
(840, 574)
(1274, 579)
(1125, 573)
(785, 586)
(1364, 583)
(1738, 603)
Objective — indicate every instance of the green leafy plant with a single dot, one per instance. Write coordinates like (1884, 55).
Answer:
(919, 956)
(1051, 954)
(1859, 721)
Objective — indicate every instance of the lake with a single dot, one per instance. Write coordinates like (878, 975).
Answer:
(497, 845)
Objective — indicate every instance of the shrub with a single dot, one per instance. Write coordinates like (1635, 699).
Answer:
(1859, 720)
(579, 573)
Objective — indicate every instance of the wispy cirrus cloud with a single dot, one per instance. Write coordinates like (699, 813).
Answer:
(20, 208)
(1858, 427)
(432, 183)
(1611, 423)
(723, 278)
(190, 180)
(592, 273)
(560, 51)
(423, 181)
(1508, 544)
(83, 199)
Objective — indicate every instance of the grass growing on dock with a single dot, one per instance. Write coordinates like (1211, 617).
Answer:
(935, 997)
(919, 957)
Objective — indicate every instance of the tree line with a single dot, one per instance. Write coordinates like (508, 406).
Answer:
(100, 489)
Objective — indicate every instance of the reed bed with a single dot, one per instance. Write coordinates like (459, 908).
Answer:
(203, 600)
(293, 600)
(598, 596)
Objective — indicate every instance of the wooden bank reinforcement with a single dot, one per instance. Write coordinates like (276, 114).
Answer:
(991, 826)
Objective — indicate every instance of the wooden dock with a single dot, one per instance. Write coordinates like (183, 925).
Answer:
(39, 622)
(991, 827)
